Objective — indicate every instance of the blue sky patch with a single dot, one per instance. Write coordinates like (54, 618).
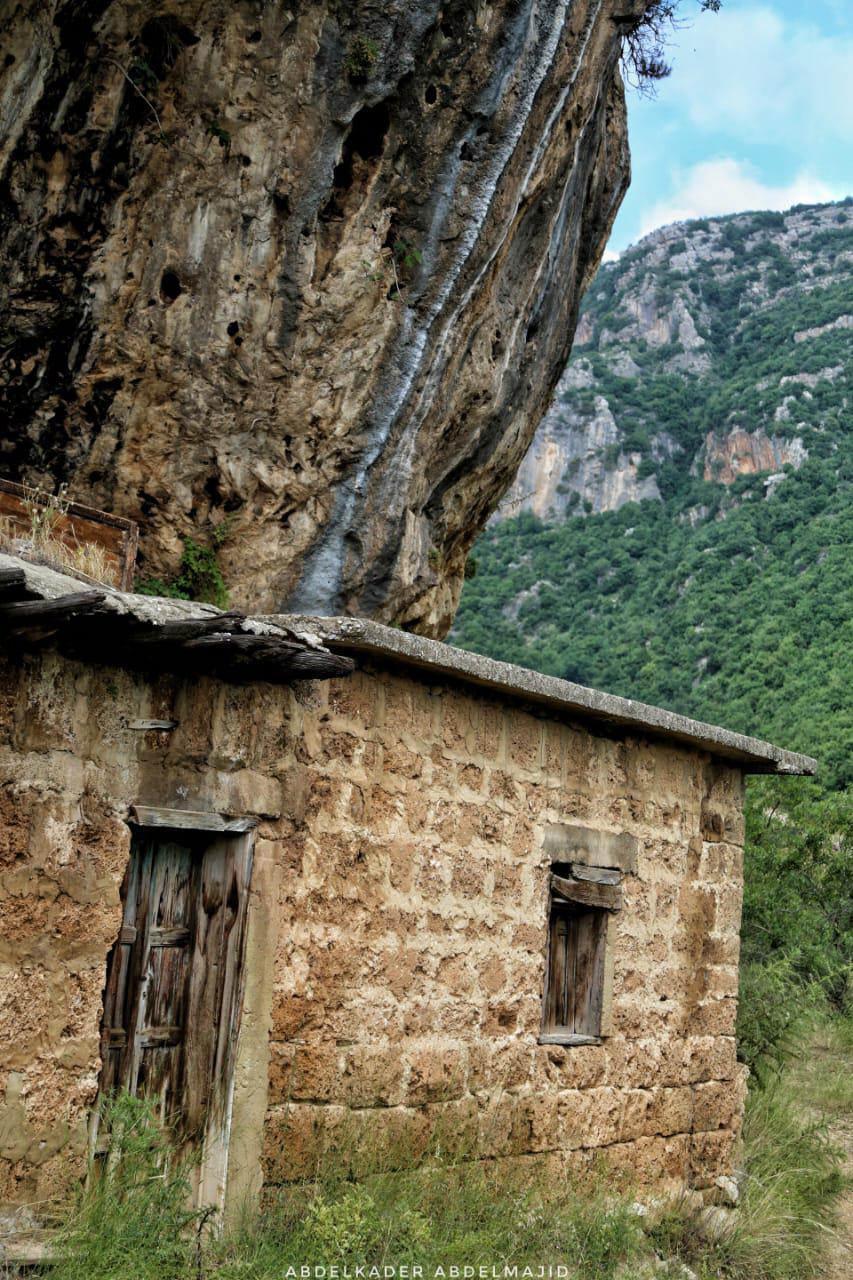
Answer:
(757, 114)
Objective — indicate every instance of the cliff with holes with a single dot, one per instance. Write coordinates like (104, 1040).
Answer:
(311, 270)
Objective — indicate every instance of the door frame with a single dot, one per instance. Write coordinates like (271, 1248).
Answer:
(211, 1175)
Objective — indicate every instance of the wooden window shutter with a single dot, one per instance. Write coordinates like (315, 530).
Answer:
(575, 974)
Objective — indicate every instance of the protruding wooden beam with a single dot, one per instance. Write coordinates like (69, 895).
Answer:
(315, 664)
(244, 643)
(86, 625)
(182, 629)
(36, 614)
(586, 893)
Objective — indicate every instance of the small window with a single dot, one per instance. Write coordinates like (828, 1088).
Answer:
(577, 946)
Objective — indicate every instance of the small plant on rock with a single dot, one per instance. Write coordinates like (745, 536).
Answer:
(362, 58)
(199, 576)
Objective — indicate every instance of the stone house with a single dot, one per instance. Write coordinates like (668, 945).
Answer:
(324, 889)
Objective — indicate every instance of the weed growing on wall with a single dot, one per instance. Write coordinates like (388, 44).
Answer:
(199, 576)
(362, 58)
(797, 948)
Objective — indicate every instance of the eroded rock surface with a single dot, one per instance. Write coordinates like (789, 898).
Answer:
(313, 268)
(745, 453)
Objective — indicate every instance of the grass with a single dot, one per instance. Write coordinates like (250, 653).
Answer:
(133, 1224)
(792, 1168)
(824, 1072)
(477, 1215)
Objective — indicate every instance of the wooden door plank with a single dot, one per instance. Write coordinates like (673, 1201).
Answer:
(204, 974)
(174, 936)
(238, 877)
(138, 976)
(238, 870)
(164, 1001)
(161, 1037)
(561, 962)
(117, 994)
(589, 931)
(569, 1023)
(596, 999)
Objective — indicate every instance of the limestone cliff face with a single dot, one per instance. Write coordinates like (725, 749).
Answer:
(579, 465)
(312, 267)
(688, 363)
(745, 453)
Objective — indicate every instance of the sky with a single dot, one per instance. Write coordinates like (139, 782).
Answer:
(757, 114)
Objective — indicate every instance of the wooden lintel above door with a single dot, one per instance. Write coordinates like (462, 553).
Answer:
(143, 815)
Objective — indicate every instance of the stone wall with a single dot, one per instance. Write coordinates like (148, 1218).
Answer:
(404, 948)
(70, 766)
(411, 951)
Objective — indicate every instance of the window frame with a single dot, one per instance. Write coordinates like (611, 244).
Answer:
(577, 894)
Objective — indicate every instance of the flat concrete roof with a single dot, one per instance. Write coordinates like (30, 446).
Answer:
(358, 636)
(291, 646)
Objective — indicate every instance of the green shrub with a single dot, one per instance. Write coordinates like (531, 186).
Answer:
(199, 576)
(792, 1176)
(133, 1223)
(772, 1006)
(798, 900)
(445, 1214)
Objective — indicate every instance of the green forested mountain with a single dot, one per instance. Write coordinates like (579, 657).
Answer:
(681, 531)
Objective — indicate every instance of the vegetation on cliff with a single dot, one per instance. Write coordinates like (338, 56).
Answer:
(728, 601)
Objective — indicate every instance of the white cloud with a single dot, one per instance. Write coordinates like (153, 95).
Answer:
(726, 185)
(758, 75)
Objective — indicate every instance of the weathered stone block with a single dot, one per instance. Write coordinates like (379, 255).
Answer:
(569, 843)
(355, 699)
(670, 1111)
(711, 1154)
(714, 1017)
(635, 1108)
(436, 1073)
(718, 1104)
(524, 745)
(374, 1076)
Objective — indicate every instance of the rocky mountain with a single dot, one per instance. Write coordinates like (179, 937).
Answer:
(311, 269)
(659, 383)
(682, 528)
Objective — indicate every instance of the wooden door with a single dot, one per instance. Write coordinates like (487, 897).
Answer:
(171, 1004)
